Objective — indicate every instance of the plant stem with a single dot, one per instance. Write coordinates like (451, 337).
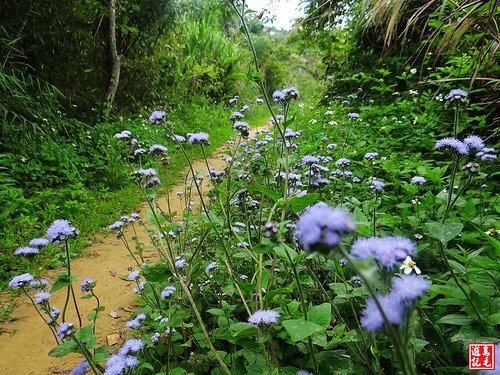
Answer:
(70, 286)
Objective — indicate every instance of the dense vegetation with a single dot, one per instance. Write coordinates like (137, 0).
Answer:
(357, 235)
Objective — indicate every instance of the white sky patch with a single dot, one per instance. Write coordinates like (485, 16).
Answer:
(285, 11)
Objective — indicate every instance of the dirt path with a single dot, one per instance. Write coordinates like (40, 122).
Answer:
(106, 261)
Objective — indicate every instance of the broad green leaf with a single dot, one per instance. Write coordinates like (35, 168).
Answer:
(300, 329)
(62, 280)
(274, 195)
(177, 371)
(444, 232)
(321, 315)
(455, 319)
(297, 204)
(216, 312)
(64, 349)
(158, 272)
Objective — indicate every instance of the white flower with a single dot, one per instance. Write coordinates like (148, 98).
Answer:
(413, 71)
(409, 265)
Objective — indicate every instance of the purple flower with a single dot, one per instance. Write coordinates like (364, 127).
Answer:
(115, 365)
(371, 155)
(136, 322)
(168, 291)
(156, 117)
(342, 162)
(371, 317)
(236, 116)
(139, 152)
(320, 227)
(158, 149)
(309, 160)
(87, 285)
(61, 230)
(388, 251)
(39, 242)
(259, 100)
(452, 144)
(134, 275)
(53, 315)
(123, 135)
(82, 368)
(409, 287)
(151, 182)
(264, 317)
(456, 94)
(131, 346)
(210, 267)
(278, 95)
(135, 216)
(291, 93)
(179, 138)
(377, 185)
(242, 127)
(149, 172)
(26, 251)
(198, 138)
(304, 372)
(474, 142)
(245, 108)
(65, 330)
(179, 262)
(116, 225)
(21, 280)
(42, 297)
(352, 115)
(418, 180)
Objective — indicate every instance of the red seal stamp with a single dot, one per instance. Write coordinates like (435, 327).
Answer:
(482, 356)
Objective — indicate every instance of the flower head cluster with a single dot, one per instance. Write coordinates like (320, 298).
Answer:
(26, 251)
(309, 160)
(342, 162)
(117, 364)
(65, 330)
(87, 285)
(134, 275)
(116, 225)
(405, 290)
(210, 267)
(156, 117)
(53, 315)
(234, 99)
(259, 100)
(376, 185)
(320, 227)
(388, 251)
(245, 108)
(42, 297)
(152, 182)
(418, 180)
(125, 134)
(235, 116)
(82, 368)
(149, 172)
(456, 95)
(198, 138)
(286, 94)
(242, 127)
(61, 230)
(264, 317)
(452, 145)
(158, 149)
(353, 116)
(136, 322)
(371, 155)
(168, 291)
(39, 242)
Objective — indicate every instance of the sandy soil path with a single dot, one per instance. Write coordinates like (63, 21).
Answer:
(106, 261)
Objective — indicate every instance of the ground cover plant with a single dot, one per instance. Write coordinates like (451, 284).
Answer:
(352, 235)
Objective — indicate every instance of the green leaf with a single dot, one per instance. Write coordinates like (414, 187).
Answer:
(274, 195)
(64, 349)
(86, 296)
(177, 371)
(321, 315)
(158, 272)
(297, 204)
(300, 329)
(216, 312)
(63, 280)
(444, 232)
(455, 319)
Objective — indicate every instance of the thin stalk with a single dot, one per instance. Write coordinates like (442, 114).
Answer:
(87, 355)
(304, 308)
(41, 316)
(70, 287)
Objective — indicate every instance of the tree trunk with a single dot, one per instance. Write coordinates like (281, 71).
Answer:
(116, 60)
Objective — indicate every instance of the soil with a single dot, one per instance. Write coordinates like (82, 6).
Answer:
(25, 342)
